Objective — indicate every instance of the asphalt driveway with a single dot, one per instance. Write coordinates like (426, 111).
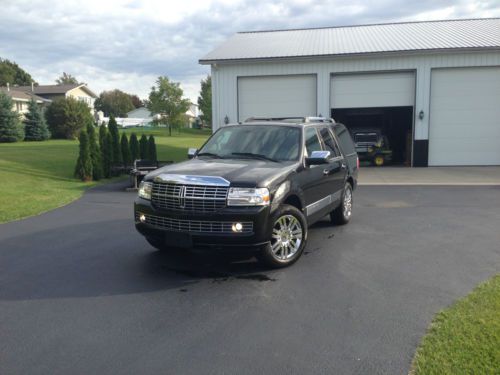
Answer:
(81, 292)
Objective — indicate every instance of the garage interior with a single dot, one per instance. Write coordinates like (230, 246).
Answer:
(394, 122)
(377, 101)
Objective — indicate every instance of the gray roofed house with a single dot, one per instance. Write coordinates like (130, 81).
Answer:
(78, 91)
(433, 87)
(21, 98)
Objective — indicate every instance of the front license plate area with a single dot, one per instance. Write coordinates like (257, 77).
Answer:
(178, 239)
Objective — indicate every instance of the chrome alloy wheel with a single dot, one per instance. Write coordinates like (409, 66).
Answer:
(347, 204)
(287, 237)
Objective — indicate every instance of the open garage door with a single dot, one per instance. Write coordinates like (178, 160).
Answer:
(465, 116)
(277, 96)
(377, 101)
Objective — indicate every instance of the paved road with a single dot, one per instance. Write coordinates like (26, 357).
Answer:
(82, 293)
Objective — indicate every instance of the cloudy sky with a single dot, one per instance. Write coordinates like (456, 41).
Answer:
(126, 44)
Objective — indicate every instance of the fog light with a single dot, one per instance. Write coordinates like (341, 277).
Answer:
(142, 218)
(237, 227)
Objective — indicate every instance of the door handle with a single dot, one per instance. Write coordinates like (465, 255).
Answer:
(343, 166)
(326, 172)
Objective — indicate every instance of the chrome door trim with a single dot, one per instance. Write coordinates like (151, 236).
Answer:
(317, 206)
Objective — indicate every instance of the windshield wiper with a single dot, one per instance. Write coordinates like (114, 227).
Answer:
(256, 156)
(209, 154)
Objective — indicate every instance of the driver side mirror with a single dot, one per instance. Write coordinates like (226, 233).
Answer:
(318, 157)
(192, 152)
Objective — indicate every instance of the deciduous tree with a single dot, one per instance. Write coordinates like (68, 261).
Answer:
(13, 74)
(67, 116)
(115, 103)
(166, 101)
(67, 79)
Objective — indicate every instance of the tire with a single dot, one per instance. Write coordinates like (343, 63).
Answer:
(288, 238)
(343, 213)
(157, 243)
(379, 160)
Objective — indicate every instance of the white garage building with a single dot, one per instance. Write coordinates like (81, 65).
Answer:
(433, 87)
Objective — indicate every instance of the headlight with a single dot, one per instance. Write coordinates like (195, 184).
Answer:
(248, 197)
(145, 190)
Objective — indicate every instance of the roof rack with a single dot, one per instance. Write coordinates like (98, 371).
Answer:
(298, 120)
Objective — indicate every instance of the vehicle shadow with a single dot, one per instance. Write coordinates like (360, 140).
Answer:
(109, 258)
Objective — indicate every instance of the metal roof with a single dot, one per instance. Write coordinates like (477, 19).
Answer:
(365, 39)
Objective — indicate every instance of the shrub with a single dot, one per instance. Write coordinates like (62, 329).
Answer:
(35, 126)
(134, 147)
(115, 141)
(11, 127)
(143, 147)
(83, 168)
(126, 156)
(95, 153)
(151, 148)
(67, 117)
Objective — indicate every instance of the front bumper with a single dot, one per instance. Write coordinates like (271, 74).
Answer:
(204, 230)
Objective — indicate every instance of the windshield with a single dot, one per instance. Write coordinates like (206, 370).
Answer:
(280, 143)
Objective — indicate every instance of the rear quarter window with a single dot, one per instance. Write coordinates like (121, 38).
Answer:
(345, 140)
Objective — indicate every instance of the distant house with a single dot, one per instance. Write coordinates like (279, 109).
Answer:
(78, 91)
(142, 116)
(142, 113)
(21, 99)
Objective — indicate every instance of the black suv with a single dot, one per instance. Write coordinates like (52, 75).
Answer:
(254, 185)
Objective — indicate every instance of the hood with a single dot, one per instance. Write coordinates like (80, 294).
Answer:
(239, 172)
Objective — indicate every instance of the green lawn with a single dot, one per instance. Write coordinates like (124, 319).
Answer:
(464, 338)
(38, 176)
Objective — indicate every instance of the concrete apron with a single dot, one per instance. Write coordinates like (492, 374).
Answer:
(459, 176)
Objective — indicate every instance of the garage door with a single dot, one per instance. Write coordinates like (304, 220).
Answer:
(465, 117)
(276, 96)
(373, 90)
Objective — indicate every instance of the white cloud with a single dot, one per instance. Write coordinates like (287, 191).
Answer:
(127, 44)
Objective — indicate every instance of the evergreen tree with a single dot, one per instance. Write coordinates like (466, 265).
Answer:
(107, 155)
(134, 147)
(11, 127)
(102, 135)
(83, 168)
(151, 148)
(126, 156)
(143, 147)
(35, 127)
(115, 142)
(95, 153)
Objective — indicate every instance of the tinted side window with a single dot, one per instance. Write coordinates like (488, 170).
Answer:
(312, 141)
(329, 142)
(345, 139)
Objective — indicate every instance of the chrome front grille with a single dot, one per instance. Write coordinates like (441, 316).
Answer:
(201, 198)
(194, 226)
